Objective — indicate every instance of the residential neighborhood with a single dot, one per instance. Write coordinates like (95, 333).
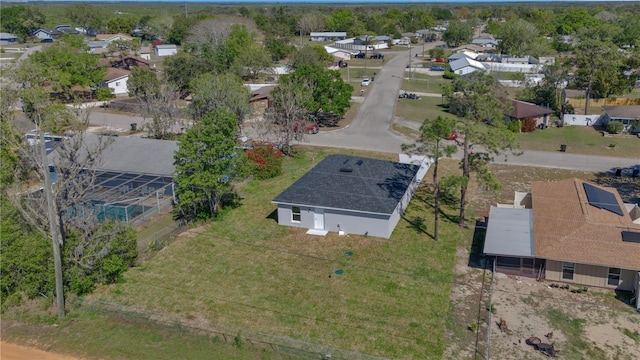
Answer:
(261, 180)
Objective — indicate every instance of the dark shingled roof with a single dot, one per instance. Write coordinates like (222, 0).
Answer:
(352, 183)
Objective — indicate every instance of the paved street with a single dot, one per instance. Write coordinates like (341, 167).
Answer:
(371, 127)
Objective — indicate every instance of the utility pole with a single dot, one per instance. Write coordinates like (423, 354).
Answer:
(53, 226)
(186, 13)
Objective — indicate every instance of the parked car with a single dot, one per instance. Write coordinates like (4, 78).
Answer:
(47, 40)
(376, 56)
(436, 68)
(309, 127)
(366, 82)
(439, 60)
(359, 55)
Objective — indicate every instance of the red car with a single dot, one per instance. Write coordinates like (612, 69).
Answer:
(439, 60)
(454, 135)
(309, 128)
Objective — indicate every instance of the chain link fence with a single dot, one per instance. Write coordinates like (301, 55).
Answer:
(280, 344)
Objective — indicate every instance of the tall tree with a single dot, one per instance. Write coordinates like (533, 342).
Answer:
(329, 91)
(519, 38)
(21, 20)
(206, 164)
(158, 101)
(457, 33)
(313, 55)
(86, 15)
(431, 143)
(123, 24)
(476, 100)
(311, 21)
(253, 61)
(598, 64)
(225, 91)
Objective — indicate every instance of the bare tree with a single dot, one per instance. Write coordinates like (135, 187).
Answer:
(313, 21)
(158, 100)
(287, 122)
(215, 32)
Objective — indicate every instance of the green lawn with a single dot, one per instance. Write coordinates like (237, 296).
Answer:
(248, 272)
(580, 140)
(418, 110)
(424, 83)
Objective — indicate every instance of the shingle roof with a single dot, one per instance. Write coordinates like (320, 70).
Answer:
(111, 36)
(567, 228)
(623, 112)
(522, 110)
(261, 93)
(352, 183)
(113, 74)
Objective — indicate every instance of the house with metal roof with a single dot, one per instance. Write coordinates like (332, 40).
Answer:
(7, 38)
(466, 65)
(569, 231)
(328, 36)
(350, 194)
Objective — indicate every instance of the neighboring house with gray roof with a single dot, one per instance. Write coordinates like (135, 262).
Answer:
(465, 65)
(7, 38)
(352, 194)
(628, 115)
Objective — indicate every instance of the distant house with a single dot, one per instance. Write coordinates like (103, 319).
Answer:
(259, 101)
(372, 40)
(521, 110)
(66, 29)
(403, 41)
(341, 54)
(8, 39)
(570, 231)
(328, 36)
(116, 80)
(471, 48)
(629, 116)
(520, 60)
(96, 45)
(43, 34)
(485, 42)
(462, 55)
(145, 53)
(108, 38)
(465, 66)
(351, 194)
(166, 50)
(129, 62)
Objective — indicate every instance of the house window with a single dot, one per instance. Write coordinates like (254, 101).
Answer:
(295, 214)
(568, 268)
(613, 277)
(117, 83)
(263, 103)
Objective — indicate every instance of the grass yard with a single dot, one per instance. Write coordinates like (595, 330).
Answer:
(428, 84)
(247, 272)
(580, 140)
(418, 110)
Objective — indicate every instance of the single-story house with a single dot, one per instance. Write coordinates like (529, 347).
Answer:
(66, 29)
(112, 37)
(465, 66)
(145, 53)
(629, 116)
(403, 41)
(43, 34)
(166, 50)
(520, 110)
(7, 38)
(116, 80)
(568, 231)
(342, 54)
(373, 40)
(328, 36)
(472, 48)
(462, 55)
(96, 45)
(527, 60)
(349, 194)
(259, 100)
(128, 62)
(485, 42)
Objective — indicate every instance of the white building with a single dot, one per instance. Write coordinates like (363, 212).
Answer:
(116, 80)
(166, 50)
(328, 36)
(466, 66)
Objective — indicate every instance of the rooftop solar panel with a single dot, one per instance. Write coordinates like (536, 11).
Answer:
(602, 199)
(631, 236)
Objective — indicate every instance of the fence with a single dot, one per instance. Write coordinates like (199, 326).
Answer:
(298, 348)
(580, 103)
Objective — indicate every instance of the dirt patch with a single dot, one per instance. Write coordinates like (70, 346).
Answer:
(10, 351)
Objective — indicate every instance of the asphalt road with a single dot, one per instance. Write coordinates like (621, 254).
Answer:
(371, 128)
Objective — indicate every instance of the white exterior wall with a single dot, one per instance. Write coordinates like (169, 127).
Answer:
(583, 120)
(43, 35)
(166, 52)
(119, 86)
(466, 70)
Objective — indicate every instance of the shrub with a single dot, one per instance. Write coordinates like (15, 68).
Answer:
(449, 75)
(266, 161)
(615, 127)
(514, 126)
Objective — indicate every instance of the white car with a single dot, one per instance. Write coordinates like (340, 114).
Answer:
(365, 82)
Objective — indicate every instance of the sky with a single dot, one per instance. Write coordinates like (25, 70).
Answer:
(348, 1)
